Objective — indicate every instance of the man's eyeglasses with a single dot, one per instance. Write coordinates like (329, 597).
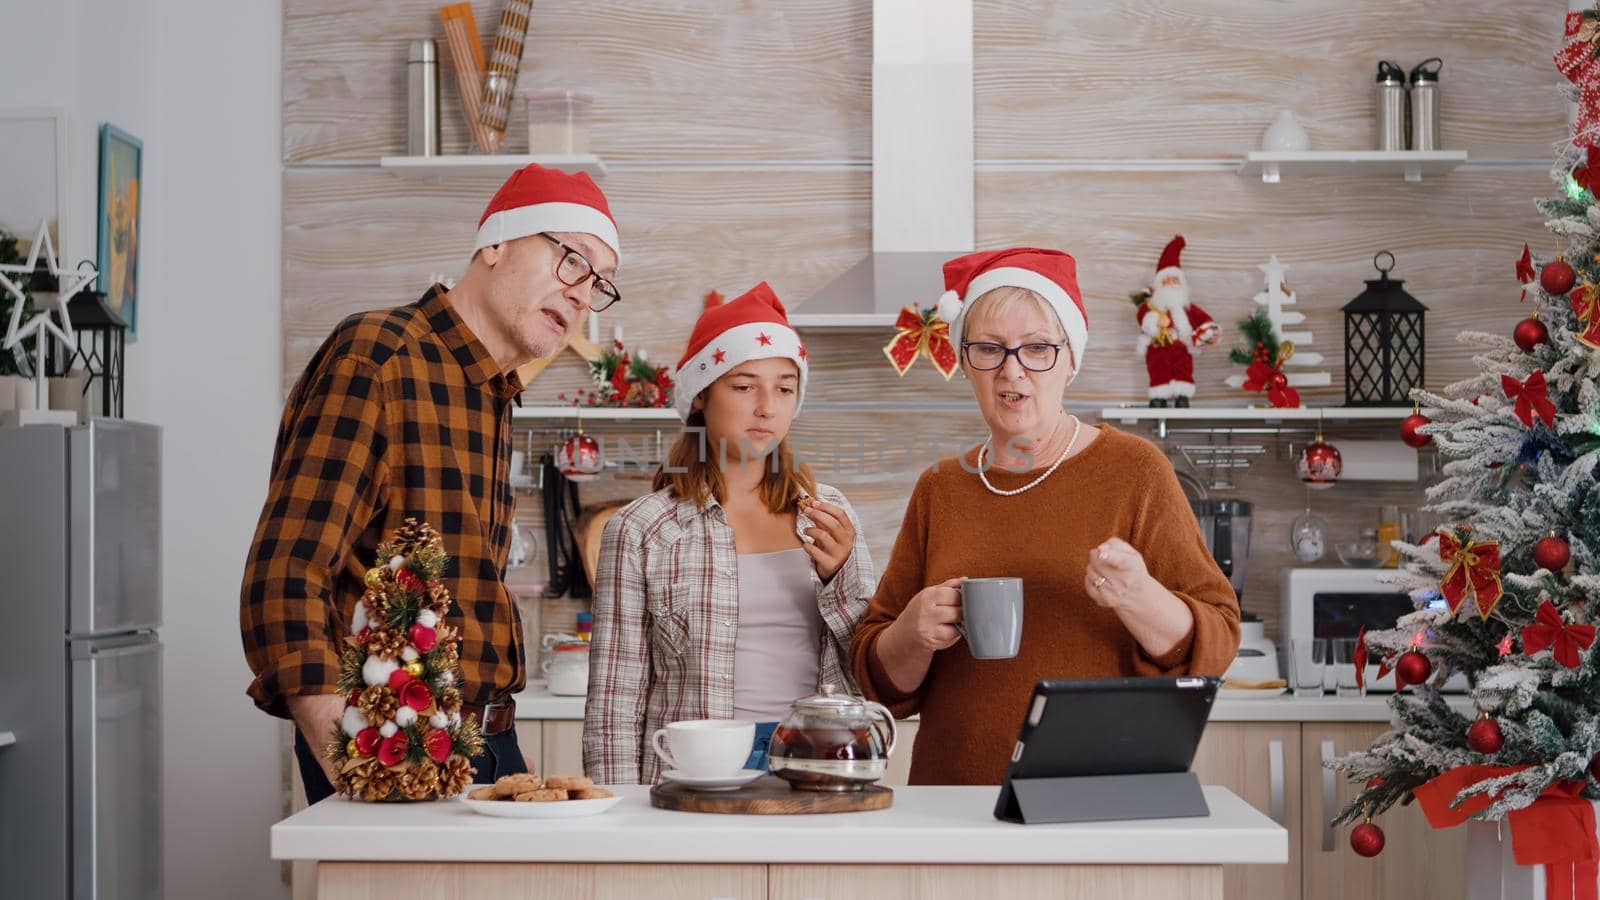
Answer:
(986, 357)
(574, 269)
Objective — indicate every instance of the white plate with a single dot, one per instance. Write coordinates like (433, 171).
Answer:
(550, 809)
(1250, 693)
(722, 783)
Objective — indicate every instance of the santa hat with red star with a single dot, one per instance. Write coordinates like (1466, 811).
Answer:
(1051, 274)
(535, 200)
(753, 325)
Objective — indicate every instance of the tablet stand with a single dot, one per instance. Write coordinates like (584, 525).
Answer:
(1090, 798)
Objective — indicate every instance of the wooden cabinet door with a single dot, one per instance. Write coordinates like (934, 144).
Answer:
(563, 747)
(1259, 761)
(900, 759)
(1417, 860)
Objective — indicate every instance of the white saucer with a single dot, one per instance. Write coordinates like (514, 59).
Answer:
(722, 783)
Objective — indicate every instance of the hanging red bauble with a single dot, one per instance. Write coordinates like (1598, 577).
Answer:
(1319, 465)
(1485, 736)
(1530, 333)
(579, 458)
(1409, 433)
(1412, 668)
(1552, 553)
(1366, 839)
(1557, 278)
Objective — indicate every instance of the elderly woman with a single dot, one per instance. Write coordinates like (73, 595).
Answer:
(1116, 575)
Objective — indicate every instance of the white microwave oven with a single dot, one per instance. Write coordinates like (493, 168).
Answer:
(1338, 603)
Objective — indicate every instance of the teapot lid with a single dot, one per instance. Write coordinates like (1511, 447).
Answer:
(829, 698)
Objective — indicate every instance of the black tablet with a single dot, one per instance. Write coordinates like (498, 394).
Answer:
(1091, 729)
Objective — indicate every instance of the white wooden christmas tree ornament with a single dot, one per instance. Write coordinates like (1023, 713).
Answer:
(1275, 296)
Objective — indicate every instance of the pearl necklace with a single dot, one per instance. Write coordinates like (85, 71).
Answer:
(983, 476)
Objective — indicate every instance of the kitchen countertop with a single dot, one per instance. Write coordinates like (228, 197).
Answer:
(538, 703)
(925, 825)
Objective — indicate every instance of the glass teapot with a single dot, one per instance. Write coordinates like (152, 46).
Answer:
(832, 741)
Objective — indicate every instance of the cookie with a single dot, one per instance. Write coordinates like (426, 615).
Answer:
(593, 793)
(569, 782)
(541, 796)
(487, 792)
(512, 785)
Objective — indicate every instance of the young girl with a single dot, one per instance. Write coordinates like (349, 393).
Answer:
(734, 587)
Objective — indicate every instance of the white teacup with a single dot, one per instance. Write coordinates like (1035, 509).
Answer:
(705, 748)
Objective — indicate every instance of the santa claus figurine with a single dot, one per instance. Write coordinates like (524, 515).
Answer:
(1168, 326)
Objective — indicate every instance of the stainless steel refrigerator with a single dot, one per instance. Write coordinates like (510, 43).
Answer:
(80, 661)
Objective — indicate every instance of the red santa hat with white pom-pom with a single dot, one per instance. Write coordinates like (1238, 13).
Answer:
(753, 325)
(1051, 274)
(536, 199)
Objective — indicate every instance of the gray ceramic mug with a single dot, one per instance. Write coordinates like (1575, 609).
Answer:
(991, 616)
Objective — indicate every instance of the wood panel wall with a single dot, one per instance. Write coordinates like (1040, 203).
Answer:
(743, 137)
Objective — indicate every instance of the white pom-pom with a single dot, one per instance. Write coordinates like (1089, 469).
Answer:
(388, 729)
(359, 620)
(447, 678)
(353, 721)
(409, 653)
(405, 717)
(948, 307)
(376, 670)
(439, 720)
(427, 618)
(395, 562)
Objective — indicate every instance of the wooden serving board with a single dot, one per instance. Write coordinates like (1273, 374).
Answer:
(769, 796)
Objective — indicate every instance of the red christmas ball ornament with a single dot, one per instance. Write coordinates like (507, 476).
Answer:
(579, 458)
(1319, 465)
(1409, 433)
(1485, 736)
(416, 695)
(1412, 668)
(1530, 333)
(1552, 553)
(392, 752)
(398, 679)
(423, 637)
(1366, 839)
(438, 745)
(1558, 277)
(367, 741)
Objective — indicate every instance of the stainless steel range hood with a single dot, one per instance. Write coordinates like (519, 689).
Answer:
(922, 183)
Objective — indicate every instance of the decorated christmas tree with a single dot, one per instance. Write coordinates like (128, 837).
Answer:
(402, 736)
(1517, 560)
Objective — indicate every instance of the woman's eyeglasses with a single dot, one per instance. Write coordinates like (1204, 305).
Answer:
(1035, 357)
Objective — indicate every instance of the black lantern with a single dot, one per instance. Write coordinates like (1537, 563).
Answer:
(100, 344)
(1384, 342)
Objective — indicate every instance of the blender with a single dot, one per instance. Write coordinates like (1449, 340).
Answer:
(1225, 523)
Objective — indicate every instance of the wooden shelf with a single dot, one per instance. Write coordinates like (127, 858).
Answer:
(477, 164)
(593, 413)
(1129, 415)
(1409, 164)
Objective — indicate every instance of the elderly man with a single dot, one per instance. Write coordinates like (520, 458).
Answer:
(406, 413)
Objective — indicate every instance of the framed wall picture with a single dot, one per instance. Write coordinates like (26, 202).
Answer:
(120, 158)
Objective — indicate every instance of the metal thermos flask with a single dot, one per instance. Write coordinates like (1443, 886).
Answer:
(1425, 105)
(1391, 98)
(422, 99)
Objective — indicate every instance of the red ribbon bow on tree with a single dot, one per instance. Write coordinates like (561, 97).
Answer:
(1550, 630)
(1258, 377)
(1586, 306)
(922, 333)
(1474, 565)
(1525, 271)
(1532, 396)
(1587, 175)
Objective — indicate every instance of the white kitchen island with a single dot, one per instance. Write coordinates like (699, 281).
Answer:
(935, 842)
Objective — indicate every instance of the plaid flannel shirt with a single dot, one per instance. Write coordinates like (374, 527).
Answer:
(666, 621)
(401, 413)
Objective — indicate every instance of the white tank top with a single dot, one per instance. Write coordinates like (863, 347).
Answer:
(780, 629)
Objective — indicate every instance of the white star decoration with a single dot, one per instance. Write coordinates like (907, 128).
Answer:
(71, 282)
(1274, 271)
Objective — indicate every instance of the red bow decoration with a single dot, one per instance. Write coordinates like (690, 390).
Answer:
(1525, 272)
(1258, 377)
(1474, 565)
(1585, 306)
(1359, 657)
(922, 333)
(1550, 630)
(1532, 396)
(1587, 175)
(1556, 831)
(1576, 60)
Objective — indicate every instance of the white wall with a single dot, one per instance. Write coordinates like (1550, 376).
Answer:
(204, 98)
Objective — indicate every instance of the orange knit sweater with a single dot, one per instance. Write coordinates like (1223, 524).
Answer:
(1120, 485)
